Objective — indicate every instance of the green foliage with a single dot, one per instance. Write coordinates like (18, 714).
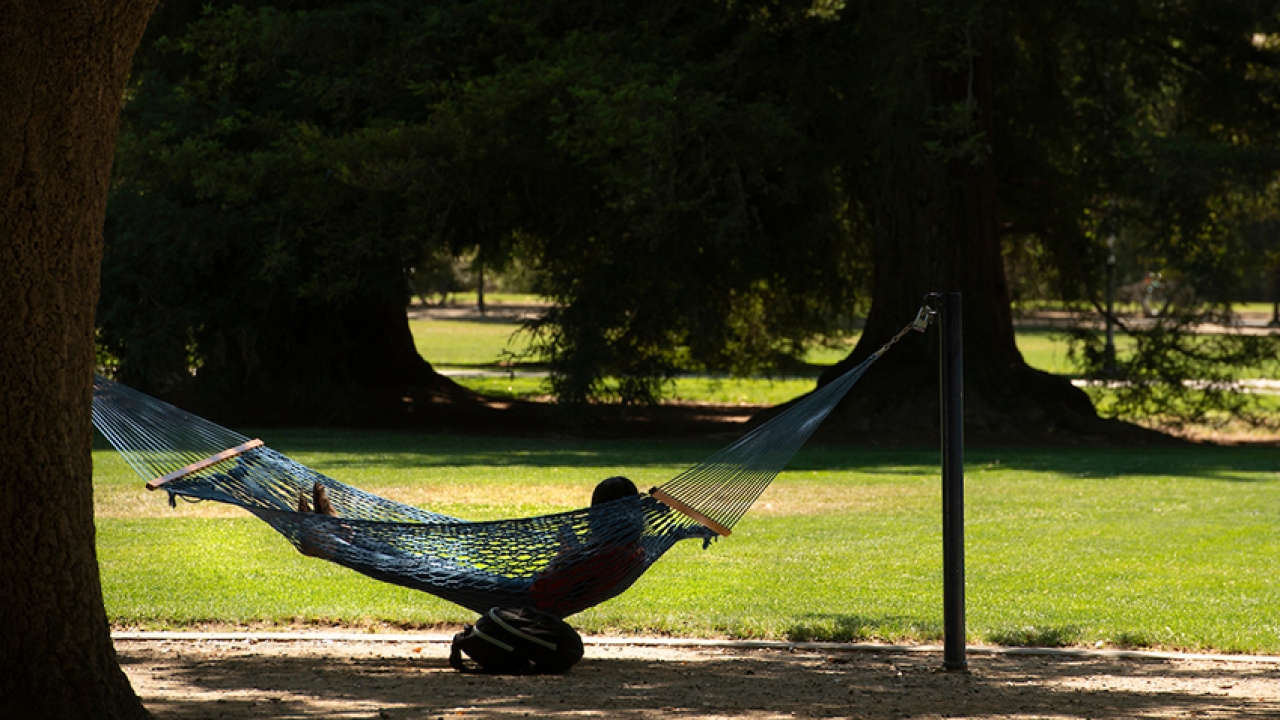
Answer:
(1174, 375)
(1137, 121)
(697, 186)
(1155, 184)
(254, 214)
(281, 163)
(701, 233)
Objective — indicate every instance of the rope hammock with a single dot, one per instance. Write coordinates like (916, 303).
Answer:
(562, 563)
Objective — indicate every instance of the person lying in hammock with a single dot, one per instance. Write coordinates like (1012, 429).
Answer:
(607, 561)
(587, 569)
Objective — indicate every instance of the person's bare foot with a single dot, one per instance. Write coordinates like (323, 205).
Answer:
(321, 499)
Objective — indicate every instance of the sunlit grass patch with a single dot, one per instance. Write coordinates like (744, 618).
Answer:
(461, 343)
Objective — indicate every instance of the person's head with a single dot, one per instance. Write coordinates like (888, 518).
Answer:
(616, 524)
(614, 488)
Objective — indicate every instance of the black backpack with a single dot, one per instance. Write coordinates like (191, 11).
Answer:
(517, 641)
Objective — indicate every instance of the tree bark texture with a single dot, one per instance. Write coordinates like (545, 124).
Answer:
(936, 231)
(63, 67)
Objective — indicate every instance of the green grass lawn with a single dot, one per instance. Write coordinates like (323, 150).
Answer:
(1170, 547)
(467, 346)
(463, 344)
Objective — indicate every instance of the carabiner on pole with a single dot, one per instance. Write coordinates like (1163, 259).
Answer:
(923, 318)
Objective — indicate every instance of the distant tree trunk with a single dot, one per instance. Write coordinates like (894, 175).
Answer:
(63, 67)
(311, 362)
(936, 231)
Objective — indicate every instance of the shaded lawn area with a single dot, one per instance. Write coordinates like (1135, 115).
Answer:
(1171, 547)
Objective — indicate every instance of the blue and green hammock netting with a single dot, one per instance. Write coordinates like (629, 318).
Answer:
(562, 563)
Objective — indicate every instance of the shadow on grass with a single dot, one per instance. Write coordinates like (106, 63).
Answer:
(332, 450)
(835, 627)
(369, 449)
(177, 682)
(1033, 636)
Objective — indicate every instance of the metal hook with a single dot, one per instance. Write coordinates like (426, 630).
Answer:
(923, 318)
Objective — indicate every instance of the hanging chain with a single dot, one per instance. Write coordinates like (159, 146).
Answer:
(923, 318)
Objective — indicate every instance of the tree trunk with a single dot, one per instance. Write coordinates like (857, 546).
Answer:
(63, 67)
(936, 231)
(309, 362)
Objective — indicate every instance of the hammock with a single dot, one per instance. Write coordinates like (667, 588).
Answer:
(562, 563)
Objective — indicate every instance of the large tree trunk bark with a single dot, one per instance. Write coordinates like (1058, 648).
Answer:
(63, 67)
(936, 231)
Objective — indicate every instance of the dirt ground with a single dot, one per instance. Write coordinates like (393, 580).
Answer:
(239, 678)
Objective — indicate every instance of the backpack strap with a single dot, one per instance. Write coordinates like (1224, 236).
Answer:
(495, 641)
(493, 615)
(455, 652)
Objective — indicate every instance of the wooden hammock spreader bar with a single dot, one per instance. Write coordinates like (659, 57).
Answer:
(665, 499)
(202, 464)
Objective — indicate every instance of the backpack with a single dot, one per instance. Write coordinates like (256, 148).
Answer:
(517, 641)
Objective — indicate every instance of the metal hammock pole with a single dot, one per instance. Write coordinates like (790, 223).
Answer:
(951, 370)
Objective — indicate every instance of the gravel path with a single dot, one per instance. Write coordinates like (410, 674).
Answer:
(229, 676)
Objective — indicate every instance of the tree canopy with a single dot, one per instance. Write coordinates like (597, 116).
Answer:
(696, 185)
(1162, 178)
(650, 159)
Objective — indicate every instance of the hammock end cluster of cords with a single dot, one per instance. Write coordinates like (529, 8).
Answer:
(202, 464)
(715, 527)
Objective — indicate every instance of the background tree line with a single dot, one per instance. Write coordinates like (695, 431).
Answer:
(705, 185)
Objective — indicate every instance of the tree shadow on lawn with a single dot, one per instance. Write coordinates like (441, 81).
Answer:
(397, 680)
(403, 451)
(845, 628)
(366, 449)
